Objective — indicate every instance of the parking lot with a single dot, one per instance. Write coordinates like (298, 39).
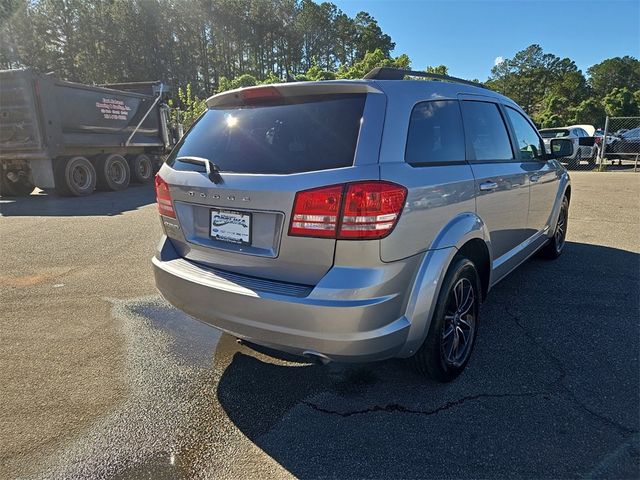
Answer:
(101, 379)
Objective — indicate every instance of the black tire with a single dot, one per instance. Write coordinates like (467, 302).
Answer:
(21, 188)
(575, 162)
(74, 176)
(436, 357)
(555, 246)
(113, 172)
(141, 168)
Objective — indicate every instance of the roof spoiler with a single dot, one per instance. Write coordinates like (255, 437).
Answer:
(388, 73)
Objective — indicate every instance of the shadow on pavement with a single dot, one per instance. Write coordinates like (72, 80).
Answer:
(99, 203)
(551, 390)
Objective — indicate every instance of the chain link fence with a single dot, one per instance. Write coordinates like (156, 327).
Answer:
(619, 144)
(616, 147)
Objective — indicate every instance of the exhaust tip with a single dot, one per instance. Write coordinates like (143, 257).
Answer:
(315, 357)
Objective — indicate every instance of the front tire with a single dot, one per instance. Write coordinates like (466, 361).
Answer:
(555, 246)
(452, 333)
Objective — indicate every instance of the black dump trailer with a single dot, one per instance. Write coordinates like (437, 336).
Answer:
(75, 138)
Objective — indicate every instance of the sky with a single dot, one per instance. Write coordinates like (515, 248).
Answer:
(470, 36)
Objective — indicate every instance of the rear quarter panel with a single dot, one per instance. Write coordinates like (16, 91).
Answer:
(436, 195)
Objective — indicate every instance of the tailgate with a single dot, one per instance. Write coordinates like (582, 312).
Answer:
(19, 129)
(265, 152)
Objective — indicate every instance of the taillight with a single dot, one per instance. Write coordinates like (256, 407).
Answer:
(371, 209)
(163, 197)
(315, 212)
(360, 210)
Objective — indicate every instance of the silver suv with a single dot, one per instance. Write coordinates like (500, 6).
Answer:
(357, 220)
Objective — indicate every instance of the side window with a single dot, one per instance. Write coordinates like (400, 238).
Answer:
(486, 131)
(526, 137)
(435, 133)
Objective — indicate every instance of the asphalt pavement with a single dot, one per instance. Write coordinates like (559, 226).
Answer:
(100, 378)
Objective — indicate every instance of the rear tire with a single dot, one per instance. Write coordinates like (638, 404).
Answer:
(141, 169)
(113, 172)
(448, 346)
(74, 177)
(555, 246)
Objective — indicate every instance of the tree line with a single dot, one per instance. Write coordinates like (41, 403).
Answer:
(215, 45)
(183, 41)
(554, 92)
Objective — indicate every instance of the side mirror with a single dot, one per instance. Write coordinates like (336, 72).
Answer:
(586, 141)
(561, 147)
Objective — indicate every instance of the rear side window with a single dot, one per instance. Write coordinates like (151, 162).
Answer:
(288, 136)
(486, 131)
(435, 133)
(528, 141)
(556, 133)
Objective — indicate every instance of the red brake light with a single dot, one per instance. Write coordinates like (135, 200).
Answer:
(361, 210)
(259, 94)
(163, 197)
(371, 209)
(315, 212)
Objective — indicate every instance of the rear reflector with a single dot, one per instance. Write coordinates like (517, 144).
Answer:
(163, 197)
(361, 210)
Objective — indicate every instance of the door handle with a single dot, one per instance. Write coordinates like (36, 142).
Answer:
(486, 186)
(534, 177)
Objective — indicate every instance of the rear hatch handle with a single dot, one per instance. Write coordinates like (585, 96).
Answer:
(213, 171)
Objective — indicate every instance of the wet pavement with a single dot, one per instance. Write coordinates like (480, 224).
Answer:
(552, 389)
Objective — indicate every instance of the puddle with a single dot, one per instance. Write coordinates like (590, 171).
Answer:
(168, 371)
(191, 340)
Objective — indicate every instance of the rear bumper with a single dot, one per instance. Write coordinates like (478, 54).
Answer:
(362, 323)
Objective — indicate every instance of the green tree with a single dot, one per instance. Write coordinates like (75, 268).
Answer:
(620, 102)
(188, 108)
(532, 74)
(371, 60)
(554, 112)
(370, 37)
(613, 73)
(439, 70)
(589, 112)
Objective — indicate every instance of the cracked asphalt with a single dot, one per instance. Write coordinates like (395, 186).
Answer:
(100, 378)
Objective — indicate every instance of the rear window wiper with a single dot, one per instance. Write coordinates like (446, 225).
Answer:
(213, 171)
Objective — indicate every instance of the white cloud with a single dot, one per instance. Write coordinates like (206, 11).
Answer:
(498, 60)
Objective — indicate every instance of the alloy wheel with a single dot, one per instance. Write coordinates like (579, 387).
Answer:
(458, 332)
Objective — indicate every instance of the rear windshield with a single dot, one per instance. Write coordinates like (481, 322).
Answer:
(554, 133)
(293, 135)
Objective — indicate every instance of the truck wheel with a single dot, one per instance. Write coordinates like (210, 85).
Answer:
(74, 177)
(141, 169)
(113, 172)
(452, 334)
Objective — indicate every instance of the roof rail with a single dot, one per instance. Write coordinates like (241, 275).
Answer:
(388, 73)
